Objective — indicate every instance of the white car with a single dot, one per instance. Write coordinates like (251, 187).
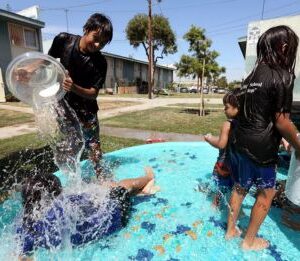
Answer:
(221, 90)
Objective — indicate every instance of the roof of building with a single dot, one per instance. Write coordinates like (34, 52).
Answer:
(6, 15)
(135, 60)
(242, 43)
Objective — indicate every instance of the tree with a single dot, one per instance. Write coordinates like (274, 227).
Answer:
(222, 82)
(163, 38)
(234, 84)
(202, 61)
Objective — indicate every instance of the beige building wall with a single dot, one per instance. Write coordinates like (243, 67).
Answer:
(119, 69)
(109, 81)
(257, 28)
(136, 71)
(144, 72)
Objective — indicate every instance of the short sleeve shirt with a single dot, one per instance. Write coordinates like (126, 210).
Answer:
(267, 92)
(86, 70)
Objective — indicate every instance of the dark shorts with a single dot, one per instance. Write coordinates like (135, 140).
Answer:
(224, 184)
(122, 198)
(90, 129)
(246, 173)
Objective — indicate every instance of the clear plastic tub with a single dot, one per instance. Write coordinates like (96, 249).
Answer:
(36, 78)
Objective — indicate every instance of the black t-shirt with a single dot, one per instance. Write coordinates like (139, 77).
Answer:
(264, 93)
(86, 70)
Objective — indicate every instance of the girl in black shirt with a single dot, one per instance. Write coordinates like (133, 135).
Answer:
(265, 103)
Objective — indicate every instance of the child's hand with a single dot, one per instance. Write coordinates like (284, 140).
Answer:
(68, 83)
(207, 136)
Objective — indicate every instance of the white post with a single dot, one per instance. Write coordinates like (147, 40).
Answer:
(2, 92)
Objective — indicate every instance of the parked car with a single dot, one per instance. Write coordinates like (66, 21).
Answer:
(205, 90)
(193, 89)
(221, 90)
(184, 89)
(160, 91)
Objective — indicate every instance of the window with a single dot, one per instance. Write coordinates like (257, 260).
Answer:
(16, 34)
(30, 38)
(23, 36)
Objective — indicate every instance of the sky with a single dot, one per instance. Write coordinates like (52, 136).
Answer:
(223, 20)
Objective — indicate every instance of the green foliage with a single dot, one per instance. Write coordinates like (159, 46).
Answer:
(164, 39)
(234, 84)
(137, 30)
(222, 82)
(199, 47)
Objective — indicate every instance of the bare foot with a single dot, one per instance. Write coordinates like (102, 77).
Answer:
(258, 244)
(233, 233)
(150, 188)
(149, 173)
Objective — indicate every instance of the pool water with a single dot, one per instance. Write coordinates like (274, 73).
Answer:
(177, 223)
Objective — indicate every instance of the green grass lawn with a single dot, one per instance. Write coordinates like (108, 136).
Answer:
(196, 105)
(32, 142)
(28, 141)
(8, 118)
(21, 155)
(178, 120)
(110, 105)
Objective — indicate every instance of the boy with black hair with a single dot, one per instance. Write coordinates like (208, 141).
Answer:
(87, 68)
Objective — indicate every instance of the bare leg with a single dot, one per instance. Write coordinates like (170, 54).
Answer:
(258, 214)
(236, 200)
(137, 185)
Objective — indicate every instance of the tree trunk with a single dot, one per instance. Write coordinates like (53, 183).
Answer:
(202, 110)
(150, 58)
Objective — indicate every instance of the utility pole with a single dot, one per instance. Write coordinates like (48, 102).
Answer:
(67, 19)
(263, 10)
(150, 50)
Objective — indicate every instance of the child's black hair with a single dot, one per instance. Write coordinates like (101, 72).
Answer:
(37, 187)
(277, 47)
(231, 99)
(102, 22)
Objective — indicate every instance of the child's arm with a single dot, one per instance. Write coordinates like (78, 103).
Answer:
(287, 130)
(221, 141)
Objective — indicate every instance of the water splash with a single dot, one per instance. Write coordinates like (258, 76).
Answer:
(59, 126)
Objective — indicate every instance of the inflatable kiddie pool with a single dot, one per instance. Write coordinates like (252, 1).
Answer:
(177, 223)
